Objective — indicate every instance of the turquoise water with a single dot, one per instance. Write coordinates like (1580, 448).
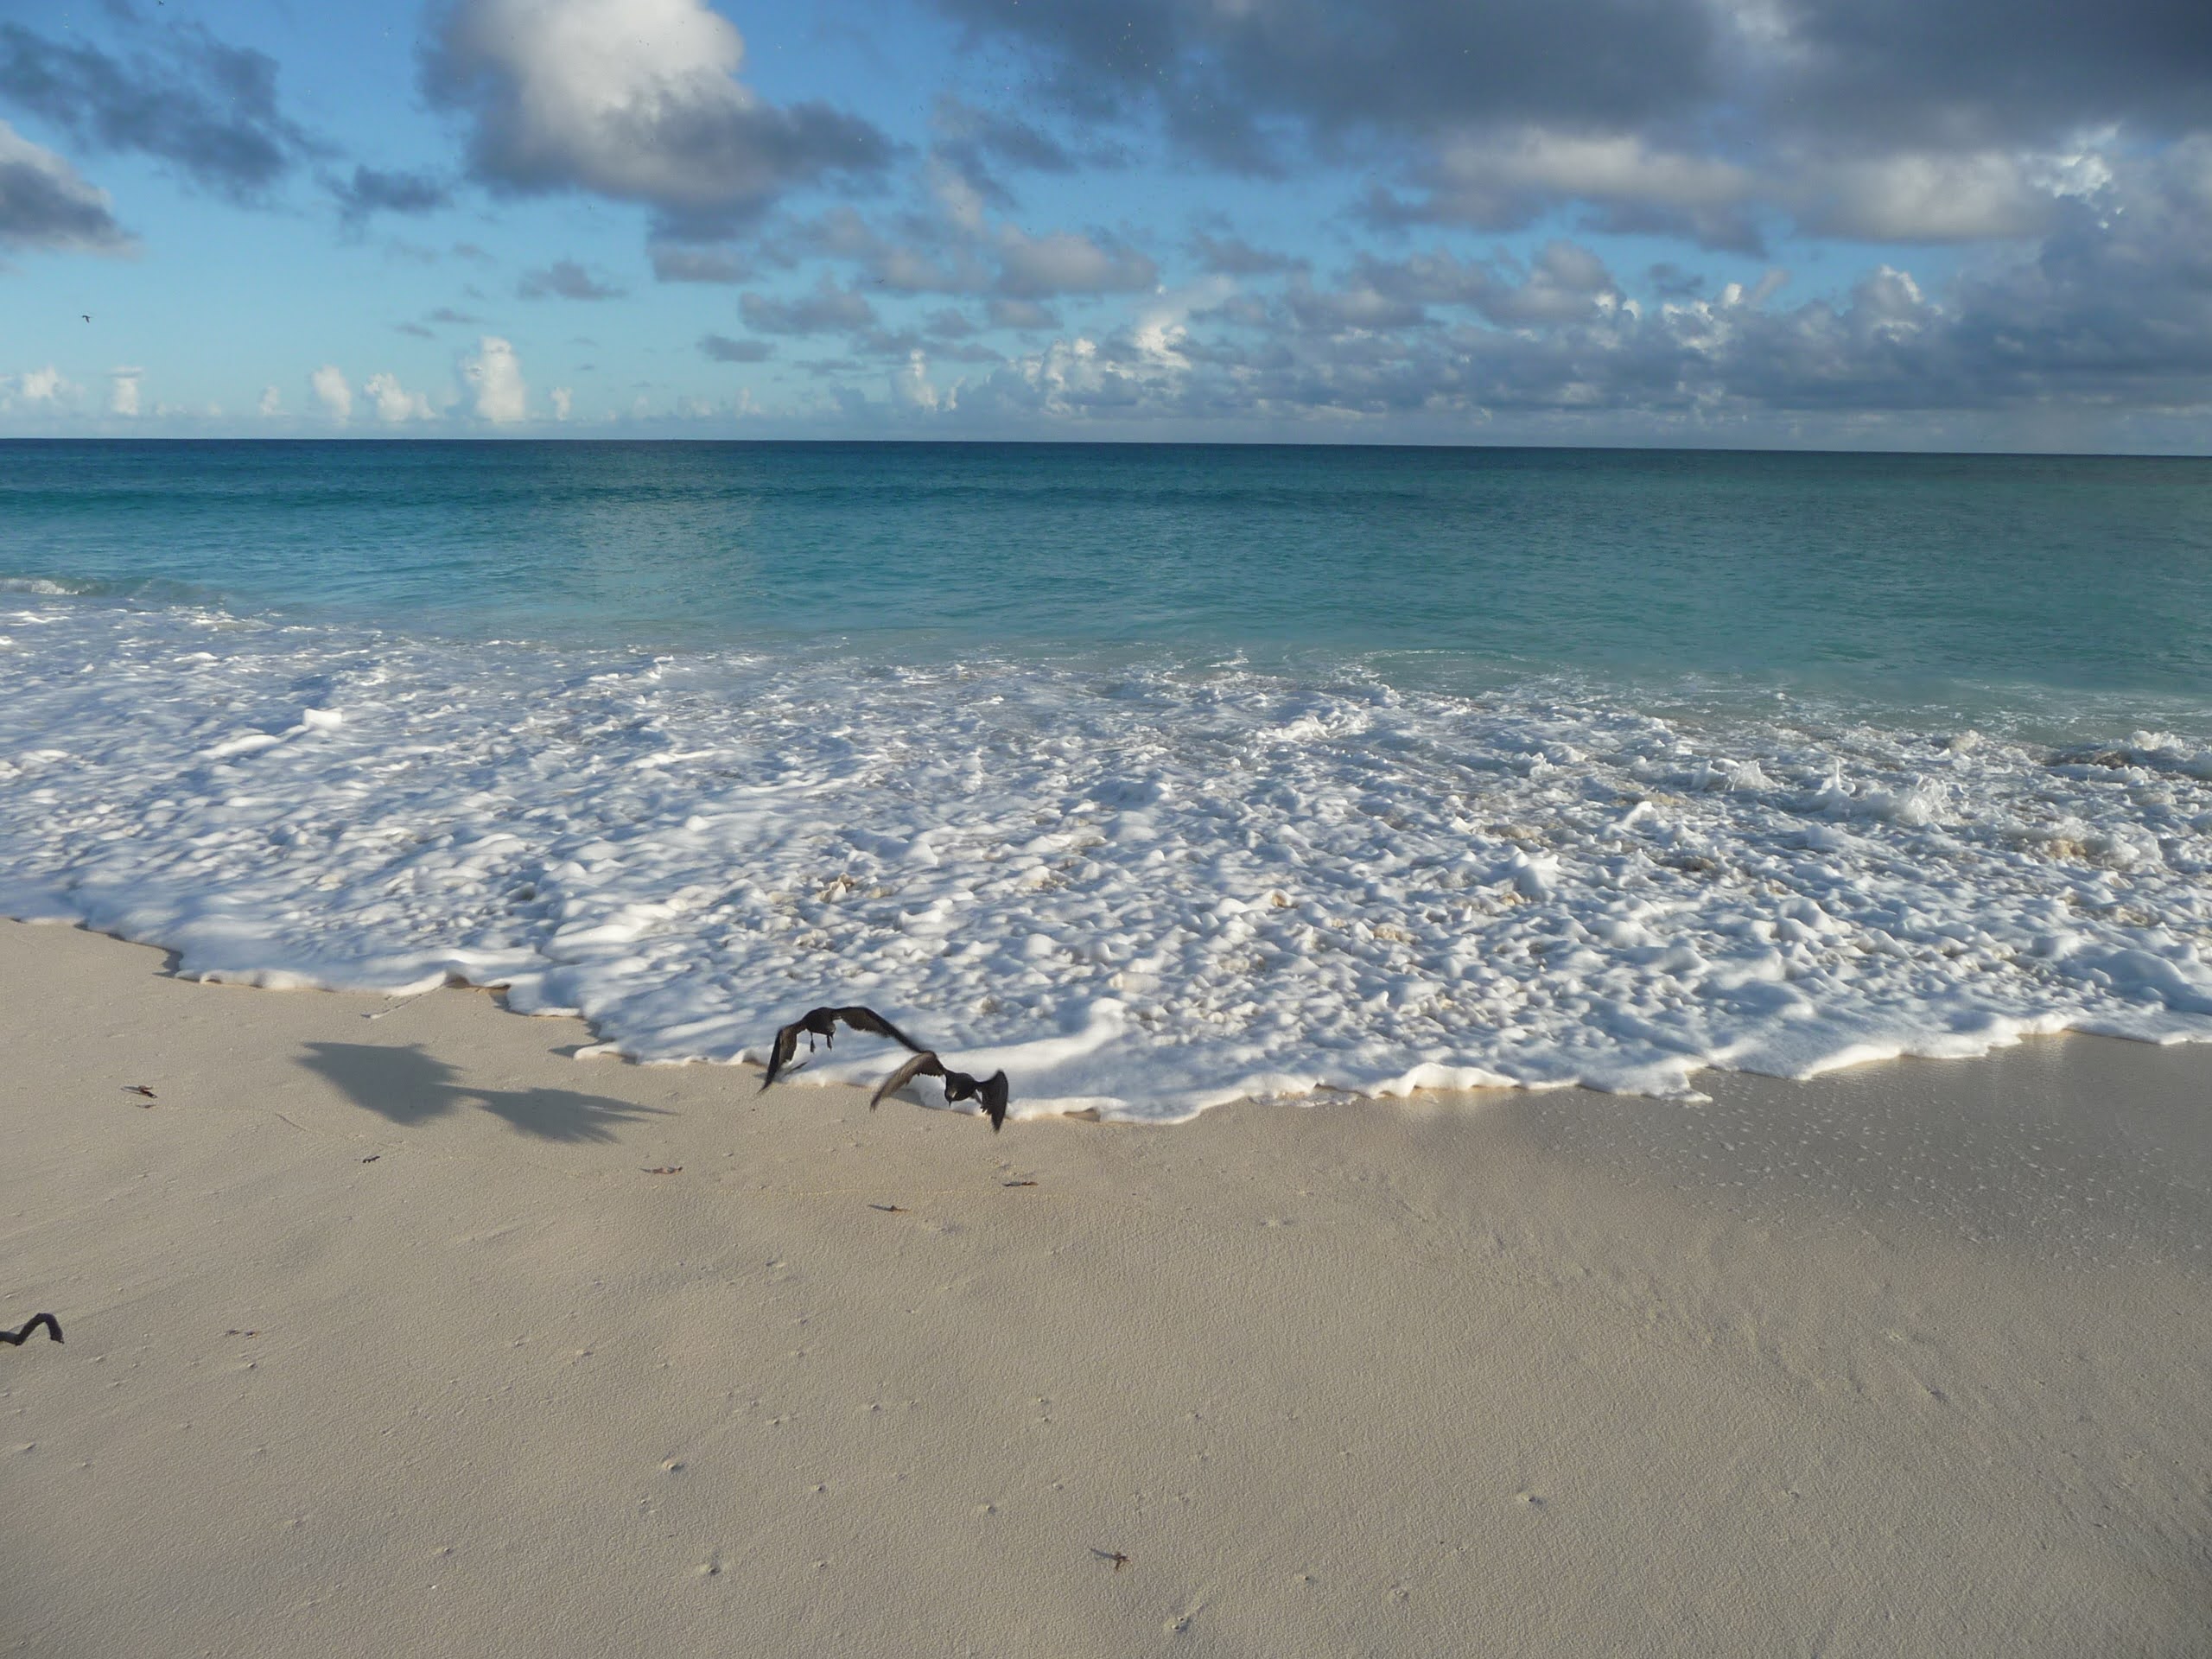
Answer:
(1157, 776)
(1979, 583)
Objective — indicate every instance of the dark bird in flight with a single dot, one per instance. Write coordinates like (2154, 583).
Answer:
(990, 1092)
(822, 1023)
(87, 315)
(16, 1339)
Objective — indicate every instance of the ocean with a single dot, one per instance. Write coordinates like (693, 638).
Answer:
(1161, 776)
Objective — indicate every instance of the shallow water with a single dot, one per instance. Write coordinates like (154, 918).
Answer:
(1160, 776)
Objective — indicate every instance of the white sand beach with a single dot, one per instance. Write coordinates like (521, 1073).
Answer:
(392, 1328)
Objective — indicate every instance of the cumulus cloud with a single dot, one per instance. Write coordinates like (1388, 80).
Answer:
(1042, 267)
(976, 147)
(634, 99)
(2109, 317)
(123, 391)
(673, 262)
(1565, 282)
(1226, 77)
(931, 259)
(1973, 72)
(1982, 196)
(1725, 122)
(910, 384)
(1504, 180)
(272, 403)
(394, 404)
(1232, 255)
(370, 190)
(493, 374)
(960, 250)
(564, 400)
(567, 280)
(42, 386)
(330, 390)
(1232, 80)
(722, 349)
(1670, 282)
(45, 204)
(208, 109)
(1026, 316)
(828, 310)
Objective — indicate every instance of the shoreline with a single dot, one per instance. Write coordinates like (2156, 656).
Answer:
(1205, 886)
(1905, 1358)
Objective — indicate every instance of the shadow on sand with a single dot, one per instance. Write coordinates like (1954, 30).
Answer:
(408, 1086)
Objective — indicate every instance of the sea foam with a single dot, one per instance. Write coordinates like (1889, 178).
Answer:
(1143, 891)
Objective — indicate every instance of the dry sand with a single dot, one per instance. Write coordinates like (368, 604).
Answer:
(384, 1340)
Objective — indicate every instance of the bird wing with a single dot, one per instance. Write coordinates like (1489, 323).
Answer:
(923, 1063)
(16, 1339)
(870, 1020)
(779, 1055)
(992, 1094)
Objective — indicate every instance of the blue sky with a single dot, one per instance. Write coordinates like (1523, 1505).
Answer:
(1659, 221)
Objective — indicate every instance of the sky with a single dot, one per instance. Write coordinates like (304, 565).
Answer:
(1856, 224)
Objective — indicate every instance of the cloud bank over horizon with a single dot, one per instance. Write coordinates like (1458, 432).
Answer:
(1852, 222)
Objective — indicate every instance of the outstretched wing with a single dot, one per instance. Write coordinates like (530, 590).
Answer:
(989, 1094)
(16, 1339)
(992, 1093)
(924, 1064)
(779, 1055)
(868, 1019)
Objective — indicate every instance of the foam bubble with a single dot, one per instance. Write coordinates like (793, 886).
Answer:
(1143, 893)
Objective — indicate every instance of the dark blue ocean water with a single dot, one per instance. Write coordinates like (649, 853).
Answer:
(1886, 581)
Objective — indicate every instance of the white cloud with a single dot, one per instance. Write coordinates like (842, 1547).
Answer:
(1932, 194)
(1924, 199)
(43, 385)
(272, 402)
(632, 98)
(563, 401)
(495, 373)
(1602, 167)
(1038, 267)
(328, 385)
(910, 384)
(961, 201)
(123, 391)
(1158, 330)
(1505, 180)
(394, 404)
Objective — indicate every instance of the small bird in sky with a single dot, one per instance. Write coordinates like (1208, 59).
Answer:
(87, 315)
